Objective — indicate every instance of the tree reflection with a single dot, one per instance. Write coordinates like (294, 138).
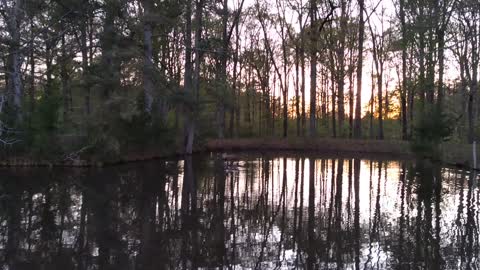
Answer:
(237, 212)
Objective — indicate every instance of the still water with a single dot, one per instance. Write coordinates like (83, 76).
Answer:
(241, 211)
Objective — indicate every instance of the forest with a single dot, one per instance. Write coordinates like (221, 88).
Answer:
(109, 77)
(358, 119)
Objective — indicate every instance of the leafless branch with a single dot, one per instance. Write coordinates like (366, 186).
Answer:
(75, 155)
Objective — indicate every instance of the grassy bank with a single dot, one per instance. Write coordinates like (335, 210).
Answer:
(328, 146)
(451, 154)
(137, 156)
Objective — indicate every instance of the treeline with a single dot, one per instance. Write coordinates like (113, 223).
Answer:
(116, 74)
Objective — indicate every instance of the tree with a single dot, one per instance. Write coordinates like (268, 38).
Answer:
(313, 68)
(341, 66)
(299, 41)
(379, 52)
(109, 41)
(148, 68)
(13, 16)
(357, 128)
(188, 78)
(223, 53)
(403, 91)
(284, 34)
(467, 52)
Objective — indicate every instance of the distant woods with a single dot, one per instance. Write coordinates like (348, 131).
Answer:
(123, 73)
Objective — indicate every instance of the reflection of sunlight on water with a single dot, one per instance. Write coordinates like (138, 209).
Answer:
(373, 256)
(369, 181)
(245, 212)
(287, 256)
(286, 182)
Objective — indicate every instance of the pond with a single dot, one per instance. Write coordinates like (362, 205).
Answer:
(241, 211)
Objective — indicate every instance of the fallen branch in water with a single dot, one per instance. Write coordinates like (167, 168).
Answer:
(74, 156)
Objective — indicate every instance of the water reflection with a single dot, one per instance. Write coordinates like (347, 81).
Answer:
(241, 212)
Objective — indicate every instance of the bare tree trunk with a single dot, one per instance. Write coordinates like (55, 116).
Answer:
(300, 73)
(193, 108)
(286, 33)
(378, 60)
(298, 117)
(302, 85)
(350, 96)
(323, 99)
(13, 18)
(109, 62)
(333, 111)
(313, 70)
(430, 85)
(380, 103)
(148, 67)
(285, 103)
(91, 31)
(341, 71)
(238, 104)
(222, 73)
(48, 65)
(472, 100)
(403, 99)
(357, 128)
(372, 104)
(441, 66)
(234, 112)
(64, 78)
(421, 55)
(387, 101)
(468, 60)
(85, 61)
(284, 89)
(248, 91)
(31, 93)
(188, 81)
(471, 115)
(273, 99)
(410, 93)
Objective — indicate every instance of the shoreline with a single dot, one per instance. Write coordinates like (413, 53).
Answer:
(394, 149)
(451, 154)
